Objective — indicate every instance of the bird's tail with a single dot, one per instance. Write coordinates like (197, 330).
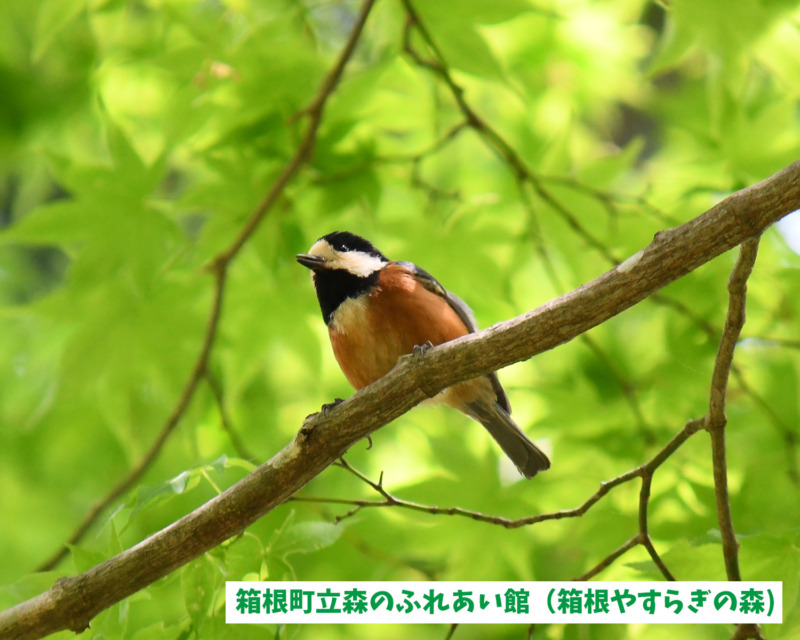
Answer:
(528, 458)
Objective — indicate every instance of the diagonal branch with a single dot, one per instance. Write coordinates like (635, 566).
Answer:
(72, 602)
(219, 267)
(609, 559)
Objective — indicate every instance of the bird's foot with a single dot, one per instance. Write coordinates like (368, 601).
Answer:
(329, 406)
(422, 349)
(325, 408)
(306, 430)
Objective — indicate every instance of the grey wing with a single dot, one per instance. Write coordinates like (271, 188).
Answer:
(467, 317)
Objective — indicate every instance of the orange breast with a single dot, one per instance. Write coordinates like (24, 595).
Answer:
(369, 334)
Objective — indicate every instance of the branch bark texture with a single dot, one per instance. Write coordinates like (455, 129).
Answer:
(72, 602)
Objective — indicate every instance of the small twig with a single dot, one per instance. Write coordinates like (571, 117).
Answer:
(716, 420)
(609, 559)
(626, 387)
(430, 150)
(643, 536)
(644, 532)
(610, 199)
(219, 397)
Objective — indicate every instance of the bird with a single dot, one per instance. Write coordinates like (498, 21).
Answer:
(378, 310)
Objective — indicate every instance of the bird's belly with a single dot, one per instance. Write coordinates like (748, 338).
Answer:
(362, 358)
(368, 334)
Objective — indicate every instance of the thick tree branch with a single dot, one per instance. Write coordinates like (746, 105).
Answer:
(219, 267)
(72, 602)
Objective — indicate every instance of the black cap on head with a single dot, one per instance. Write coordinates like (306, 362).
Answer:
(346, 241)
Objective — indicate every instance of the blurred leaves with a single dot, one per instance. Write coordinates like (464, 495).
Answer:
(137, 137)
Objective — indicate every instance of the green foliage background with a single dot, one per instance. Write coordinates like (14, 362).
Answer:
(137, 137)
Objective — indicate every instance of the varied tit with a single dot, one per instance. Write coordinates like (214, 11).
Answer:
(378, 309)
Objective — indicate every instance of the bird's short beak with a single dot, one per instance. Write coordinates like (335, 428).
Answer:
(312, 262)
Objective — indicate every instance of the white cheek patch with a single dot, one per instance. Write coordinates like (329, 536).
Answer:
(359, 263)
(356, 262)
